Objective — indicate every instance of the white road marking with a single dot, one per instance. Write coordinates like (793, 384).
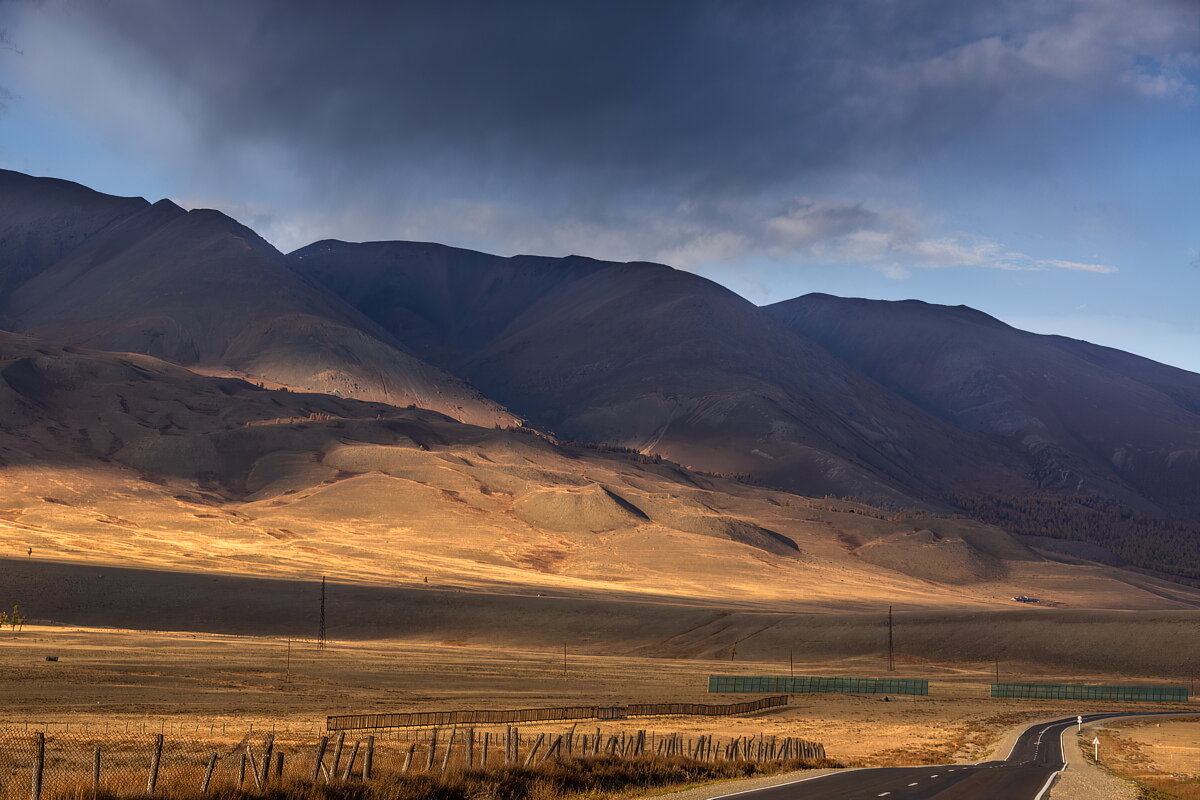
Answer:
(912, 784)
(885, 794)
(789, 783)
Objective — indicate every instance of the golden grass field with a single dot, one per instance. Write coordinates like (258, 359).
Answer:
(1161, 756)
(207, 686)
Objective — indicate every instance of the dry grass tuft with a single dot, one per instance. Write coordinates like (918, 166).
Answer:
(594, 777)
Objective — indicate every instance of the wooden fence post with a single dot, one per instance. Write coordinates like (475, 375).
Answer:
(337, 754)
(242, 771)
(449, 749)
(537, 743)
(487, 736)
(254, 769)
(319, 761)
(208, 772)
(369, 758)
(265, 767)
(39, 766)
(155, 761)
(96, 770)
(279, 766)
(432, 750)
(412, 748)
(350, 762)
(554, 749)
(470, 748)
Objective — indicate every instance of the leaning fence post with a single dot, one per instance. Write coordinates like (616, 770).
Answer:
(412, 748)
(279, 766)
(319, 761)
(39, 765)
(254, 769)
(96, 770)
(432, 750)
(554, 750)
(350, 762)
(337, 753)
(155, 760)
(449, 749)
(369, 758)
(242, 771)
(268, 749)
(533, 751)
(208, 772)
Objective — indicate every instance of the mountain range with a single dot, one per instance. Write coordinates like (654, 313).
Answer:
(896, 404)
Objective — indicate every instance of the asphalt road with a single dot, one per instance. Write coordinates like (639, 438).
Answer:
(1025, 775)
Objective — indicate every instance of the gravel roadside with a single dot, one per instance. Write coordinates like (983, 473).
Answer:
(1083, 780)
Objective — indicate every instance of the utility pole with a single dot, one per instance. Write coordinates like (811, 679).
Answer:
(997, 670)
(564, 659)
(891, 644)
(288, 676)
(791, 665)
(321, 627)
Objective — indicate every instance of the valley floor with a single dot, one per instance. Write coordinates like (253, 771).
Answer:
(199, 685)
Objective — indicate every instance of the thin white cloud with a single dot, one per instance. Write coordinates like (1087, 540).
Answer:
(1075, 265)
(892, 242)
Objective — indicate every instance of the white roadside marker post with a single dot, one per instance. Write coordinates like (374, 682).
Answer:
(1096, 749)
(1079, 723)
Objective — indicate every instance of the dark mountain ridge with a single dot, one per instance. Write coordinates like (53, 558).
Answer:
(899, 404)
(655, 359)
(200, 289)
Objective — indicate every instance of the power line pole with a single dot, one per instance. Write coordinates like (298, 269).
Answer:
(564, 659)
(321, 627)
(891, 644)
(791, 664)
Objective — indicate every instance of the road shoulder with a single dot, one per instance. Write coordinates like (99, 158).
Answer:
(1083, 780)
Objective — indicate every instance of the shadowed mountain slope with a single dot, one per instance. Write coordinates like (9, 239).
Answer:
(1092, 423)
(658, 360)
(200, 289)
(1086, 418)
(43, 219)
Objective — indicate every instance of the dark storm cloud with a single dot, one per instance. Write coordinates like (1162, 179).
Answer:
(686, 131)
(698, 96)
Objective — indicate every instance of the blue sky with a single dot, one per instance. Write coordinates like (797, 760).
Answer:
(1037, 161)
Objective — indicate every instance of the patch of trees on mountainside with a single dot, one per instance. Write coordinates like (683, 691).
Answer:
(1164, 545)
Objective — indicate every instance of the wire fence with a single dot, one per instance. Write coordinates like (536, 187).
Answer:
(60, 765)
(346, 722)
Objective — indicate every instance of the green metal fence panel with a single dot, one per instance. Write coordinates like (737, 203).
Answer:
(1076, 691)
(804, 684)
